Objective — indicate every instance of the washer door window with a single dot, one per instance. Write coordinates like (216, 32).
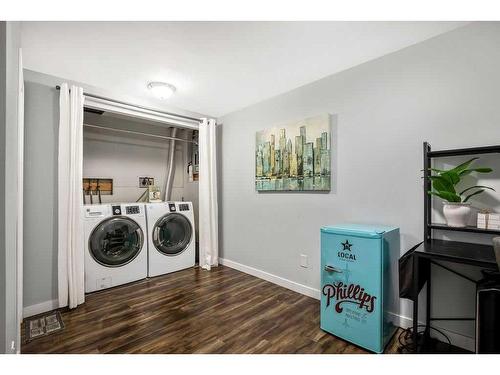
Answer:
(116, 241)
(172, 234)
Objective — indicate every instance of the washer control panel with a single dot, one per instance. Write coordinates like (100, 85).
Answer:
(132, 210)
(117, 210)
(183, 207)
(171, 207)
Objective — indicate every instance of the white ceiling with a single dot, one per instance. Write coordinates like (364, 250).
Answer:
(217, 67)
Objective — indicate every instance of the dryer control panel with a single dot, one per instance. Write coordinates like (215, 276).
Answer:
(132, 210)
(171, 207)
(117, 210)
(183, 207)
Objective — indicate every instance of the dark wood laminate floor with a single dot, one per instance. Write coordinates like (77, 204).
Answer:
(195, 311)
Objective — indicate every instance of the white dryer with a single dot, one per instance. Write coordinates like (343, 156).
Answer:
(171, 232)
(115, 245)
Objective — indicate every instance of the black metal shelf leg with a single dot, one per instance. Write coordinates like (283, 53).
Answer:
(428, 308)
(415, 302)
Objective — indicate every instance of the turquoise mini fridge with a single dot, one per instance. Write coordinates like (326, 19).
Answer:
(357, 285)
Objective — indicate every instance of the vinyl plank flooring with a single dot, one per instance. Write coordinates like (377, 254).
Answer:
(194, 311)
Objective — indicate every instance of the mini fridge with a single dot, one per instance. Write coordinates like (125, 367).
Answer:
(357, 284)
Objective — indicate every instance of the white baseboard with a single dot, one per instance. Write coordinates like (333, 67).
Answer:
(281, 281)
(457, 339)
(40, 308)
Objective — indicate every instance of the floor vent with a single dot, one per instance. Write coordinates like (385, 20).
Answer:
(43, 325)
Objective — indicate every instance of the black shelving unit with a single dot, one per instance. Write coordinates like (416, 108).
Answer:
(433, 251)
(428, 156)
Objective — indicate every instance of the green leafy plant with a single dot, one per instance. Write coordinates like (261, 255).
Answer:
(444, 182)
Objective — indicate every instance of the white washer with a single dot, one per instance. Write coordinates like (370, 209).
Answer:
(115, 245)
(171, 232)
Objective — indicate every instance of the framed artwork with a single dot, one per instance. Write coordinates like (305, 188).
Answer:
(294, 157)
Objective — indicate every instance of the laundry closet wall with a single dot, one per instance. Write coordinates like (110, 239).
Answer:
(126, 157)
(40, 185)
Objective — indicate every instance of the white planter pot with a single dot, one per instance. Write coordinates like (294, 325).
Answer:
(456, 214)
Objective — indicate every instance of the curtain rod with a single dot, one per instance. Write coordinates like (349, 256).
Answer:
(138, 106)
(139, 133)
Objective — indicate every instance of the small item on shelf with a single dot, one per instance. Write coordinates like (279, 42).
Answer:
(494, 221)
(488, 220)
(482, 219)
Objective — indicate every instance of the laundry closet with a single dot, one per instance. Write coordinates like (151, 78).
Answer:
(140, 194)
(119, 148)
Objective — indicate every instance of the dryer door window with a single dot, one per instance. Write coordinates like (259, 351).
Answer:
(172, 234)
(116, 241)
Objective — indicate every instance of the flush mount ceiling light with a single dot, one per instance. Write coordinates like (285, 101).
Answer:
(161, 89)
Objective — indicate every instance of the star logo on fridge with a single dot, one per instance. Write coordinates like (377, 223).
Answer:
(346, 252)
(346, 245)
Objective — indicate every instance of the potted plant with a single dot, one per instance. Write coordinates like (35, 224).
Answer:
(456, 207)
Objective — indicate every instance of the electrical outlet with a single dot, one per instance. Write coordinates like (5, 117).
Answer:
(304, 261)
(144, 182)
(13, 345)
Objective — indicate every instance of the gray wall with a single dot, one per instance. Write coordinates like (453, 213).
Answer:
(9, 46)
(444, 90)
(40, 193)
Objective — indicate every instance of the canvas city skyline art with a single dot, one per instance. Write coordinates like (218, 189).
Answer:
(295, 156)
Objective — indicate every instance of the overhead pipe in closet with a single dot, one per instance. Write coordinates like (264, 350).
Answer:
(138, 133)
(167, 192)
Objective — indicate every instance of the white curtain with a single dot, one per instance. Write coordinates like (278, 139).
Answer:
(70, 159)
(208, 212)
